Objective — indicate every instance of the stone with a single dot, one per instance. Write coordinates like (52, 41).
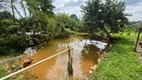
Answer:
(90, 72)
(94, 68)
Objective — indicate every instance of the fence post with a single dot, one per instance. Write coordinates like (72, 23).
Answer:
(69, 67)
(137, 39)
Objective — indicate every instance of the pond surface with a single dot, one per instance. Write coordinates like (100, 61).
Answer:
(85, 55)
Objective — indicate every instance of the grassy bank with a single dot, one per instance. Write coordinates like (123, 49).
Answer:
(74, 32)
(2, 72)
(121, 62)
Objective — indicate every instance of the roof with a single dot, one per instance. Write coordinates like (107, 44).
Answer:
(138, 25)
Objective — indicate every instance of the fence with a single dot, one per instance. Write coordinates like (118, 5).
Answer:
(24, 69)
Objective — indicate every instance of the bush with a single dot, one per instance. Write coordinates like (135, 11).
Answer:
(40, 38)
(14, 45)
(62, 35)
(97, 35)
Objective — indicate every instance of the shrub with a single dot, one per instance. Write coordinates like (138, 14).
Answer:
(62, 35)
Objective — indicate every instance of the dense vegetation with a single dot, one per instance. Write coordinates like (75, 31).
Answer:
(36, 24)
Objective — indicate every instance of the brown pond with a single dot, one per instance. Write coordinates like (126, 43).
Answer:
(84, 57)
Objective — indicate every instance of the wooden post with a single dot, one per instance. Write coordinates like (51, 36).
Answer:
(137, 39)
(69, 67)
(69, 54)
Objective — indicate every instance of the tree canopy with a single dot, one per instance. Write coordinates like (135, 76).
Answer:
(46, 7)
(5, 15)
(105, 15)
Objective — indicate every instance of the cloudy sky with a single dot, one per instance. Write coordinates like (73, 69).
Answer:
(133, 7)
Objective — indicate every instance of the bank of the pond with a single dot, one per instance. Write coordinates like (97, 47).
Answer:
(77, 33)
(122, 63)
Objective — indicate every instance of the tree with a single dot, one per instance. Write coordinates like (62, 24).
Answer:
(75, 22)
(41, 10)
(12, 7)
(63, 20)
(107, 16)
(5, 15)
(5, 5)
(73, 16)
(46, 7)
(24, 8)
(33, 6)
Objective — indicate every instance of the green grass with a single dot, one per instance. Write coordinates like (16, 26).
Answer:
(122, 63)
(2, 72)
(74, 32)
(5, 57)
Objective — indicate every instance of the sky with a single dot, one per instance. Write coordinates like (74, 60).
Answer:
(133, 7)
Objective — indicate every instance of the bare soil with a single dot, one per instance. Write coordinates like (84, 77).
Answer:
(139, 49)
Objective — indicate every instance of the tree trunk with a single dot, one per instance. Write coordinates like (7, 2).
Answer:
(33, 36)
(12, 7)
(108, 35)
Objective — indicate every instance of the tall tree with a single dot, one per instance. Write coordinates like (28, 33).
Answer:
(5, 15)
(105, 15)
(75, 22)
(46, 7)
(24, 8)
(6, 5)
(12, 7)
(73, 16)
(63, 20)
(33, 7)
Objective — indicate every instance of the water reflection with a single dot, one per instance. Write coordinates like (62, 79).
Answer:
(89, 57)
(84, 56)
(30, 51)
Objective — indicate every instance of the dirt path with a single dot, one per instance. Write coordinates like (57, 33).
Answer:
(139, 49)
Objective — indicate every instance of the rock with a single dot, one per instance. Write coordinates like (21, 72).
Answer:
(94, 68)
(90, 72)
(27, 62)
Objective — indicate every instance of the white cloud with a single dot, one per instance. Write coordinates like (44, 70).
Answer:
(136, 12)
(134, 7)
(68, 6)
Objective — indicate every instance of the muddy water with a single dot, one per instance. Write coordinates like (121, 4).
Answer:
(84, 56)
